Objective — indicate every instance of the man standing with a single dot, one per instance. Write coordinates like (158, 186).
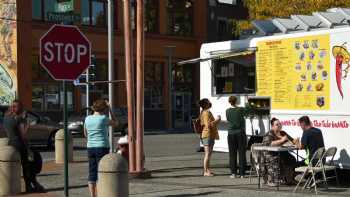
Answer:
(16, 129)
(311, 140)
(236, 138)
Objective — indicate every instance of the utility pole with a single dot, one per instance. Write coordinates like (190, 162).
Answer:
(110, 66)
(129, 86)
(139, 86)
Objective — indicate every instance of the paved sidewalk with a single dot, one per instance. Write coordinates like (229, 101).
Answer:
(176, 171)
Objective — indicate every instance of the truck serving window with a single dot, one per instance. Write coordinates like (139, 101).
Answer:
(234, 76)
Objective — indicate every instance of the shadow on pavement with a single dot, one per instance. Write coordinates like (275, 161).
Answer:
(70, 187)
(200, 194)
(47, 174)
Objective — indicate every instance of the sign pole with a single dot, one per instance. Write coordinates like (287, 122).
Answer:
(110, 67)
(87, 91)
(66, 181)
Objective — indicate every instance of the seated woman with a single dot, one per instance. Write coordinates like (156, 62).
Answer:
(277, 137)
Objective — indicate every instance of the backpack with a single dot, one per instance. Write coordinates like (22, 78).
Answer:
(196, 125)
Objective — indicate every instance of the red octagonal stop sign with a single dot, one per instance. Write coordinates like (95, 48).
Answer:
(65, 52)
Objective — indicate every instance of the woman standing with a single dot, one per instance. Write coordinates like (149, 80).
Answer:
(96, 130)
(236, 138)
(209, 133)
(287, 163)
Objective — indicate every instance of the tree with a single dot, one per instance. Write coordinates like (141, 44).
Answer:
(267, 9)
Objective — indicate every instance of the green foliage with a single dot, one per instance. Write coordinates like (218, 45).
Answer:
(267, 9)
(263, 9)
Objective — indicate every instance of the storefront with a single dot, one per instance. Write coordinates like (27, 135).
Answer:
(169, 22)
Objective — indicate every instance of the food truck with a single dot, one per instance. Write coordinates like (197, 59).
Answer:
(292, 67)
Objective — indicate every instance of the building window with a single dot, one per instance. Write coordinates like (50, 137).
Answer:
(47, 93)
(151, 16)
(180, 17)
(153, 85)
(94, 12)
(49, 97)
(37, 10)
(41, 8)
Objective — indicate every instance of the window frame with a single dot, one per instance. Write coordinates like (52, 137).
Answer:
(171, 18)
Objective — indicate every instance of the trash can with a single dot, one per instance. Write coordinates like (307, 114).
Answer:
(10, 171)
(59, 146)
(4, 141)
(113, 177)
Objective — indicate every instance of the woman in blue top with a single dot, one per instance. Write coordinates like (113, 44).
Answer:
(96, 131)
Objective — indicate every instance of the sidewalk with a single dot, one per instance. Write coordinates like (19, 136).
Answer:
(176, 171)
(173, 177)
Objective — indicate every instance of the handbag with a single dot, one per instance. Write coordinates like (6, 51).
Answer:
(197, 127)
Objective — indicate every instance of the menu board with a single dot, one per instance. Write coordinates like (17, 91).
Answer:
(294, 72)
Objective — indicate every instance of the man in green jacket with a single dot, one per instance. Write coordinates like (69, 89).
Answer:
(236, 138)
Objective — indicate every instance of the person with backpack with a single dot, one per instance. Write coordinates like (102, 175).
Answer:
(236, 138)
(209, 133)
(16, 127)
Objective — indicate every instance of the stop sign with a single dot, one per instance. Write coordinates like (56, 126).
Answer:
(65, 52)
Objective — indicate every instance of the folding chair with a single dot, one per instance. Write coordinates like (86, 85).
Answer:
(311, 170)
(255, 160)
(329, 165)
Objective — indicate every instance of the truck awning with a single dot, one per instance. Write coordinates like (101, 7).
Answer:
(220, 55)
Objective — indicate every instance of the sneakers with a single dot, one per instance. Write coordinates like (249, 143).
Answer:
(271, 184)
(235, 176)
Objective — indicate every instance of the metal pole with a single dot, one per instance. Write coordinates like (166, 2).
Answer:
(65, 121)
(170, 50)
(129, 86)
(139, 86)
(110, 66)
(87, 91)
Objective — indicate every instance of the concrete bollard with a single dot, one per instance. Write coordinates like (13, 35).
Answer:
(113, 177)
(59, 146)
(10, 171)
(4, 141)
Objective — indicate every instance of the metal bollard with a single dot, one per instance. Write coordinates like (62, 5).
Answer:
(4, 142)
(59, 146)
(10, 171)
(113, 177)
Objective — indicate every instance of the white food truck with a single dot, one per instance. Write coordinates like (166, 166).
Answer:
(293, 67)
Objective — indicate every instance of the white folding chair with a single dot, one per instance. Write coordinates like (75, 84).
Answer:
(311, 170)
(329, 165)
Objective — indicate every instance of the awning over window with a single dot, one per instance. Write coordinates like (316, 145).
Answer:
(220, 55)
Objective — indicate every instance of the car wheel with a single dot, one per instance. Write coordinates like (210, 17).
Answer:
(51, 141)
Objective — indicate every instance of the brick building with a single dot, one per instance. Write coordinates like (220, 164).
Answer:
(174, 31)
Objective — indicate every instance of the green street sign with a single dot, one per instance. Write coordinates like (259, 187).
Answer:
(65, 5)
(67, 17)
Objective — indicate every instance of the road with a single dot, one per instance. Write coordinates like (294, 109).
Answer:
(155, 146)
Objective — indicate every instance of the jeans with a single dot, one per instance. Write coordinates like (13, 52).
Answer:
(95, 155)
(237, 143)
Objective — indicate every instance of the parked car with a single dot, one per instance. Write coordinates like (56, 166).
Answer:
(76, 121)
(41, 129)
(121, 114)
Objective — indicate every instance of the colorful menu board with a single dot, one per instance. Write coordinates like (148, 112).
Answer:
(294, 72)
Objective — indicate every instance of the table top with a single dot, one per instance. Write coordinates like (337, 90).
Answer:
(275, 148)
